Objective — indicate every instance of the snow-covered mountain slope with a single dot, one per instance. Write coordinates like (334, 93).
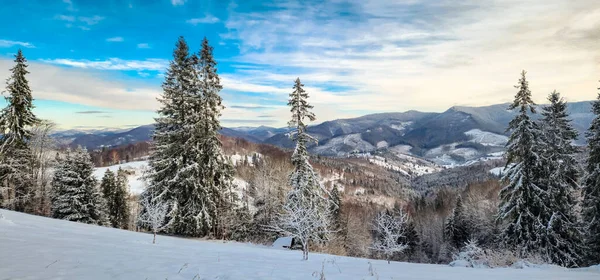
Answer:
(487, 138)
(134, 170)
(33, 247)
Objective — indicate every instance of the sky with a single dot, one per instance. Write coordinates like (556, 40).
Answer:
(100, 64)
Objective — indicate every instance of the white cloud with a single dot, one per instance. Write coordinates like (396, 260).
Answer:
(208, 19)
(8, 44)
(80, 22)
(115, 39)
(113, 64)
(65, 18)
(69, 5)
(85, 87)
(177, 2)
(396, 56)
(143, 46)
(90, 20)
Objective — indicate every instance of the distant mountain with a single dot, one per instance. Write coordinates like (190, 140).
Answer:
(95, 140)
(113, 139)
(458, 135)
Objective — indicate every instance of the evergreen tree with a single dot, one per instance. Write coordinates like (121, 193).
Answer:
(457, 230)
(108, 186)
(307, 209)
(188, 169)
(522, 200)
(120, 206)
(335, 209)
(16, 159)
(563, 235)
(591, 191)
(115, 193)
(76, 196)
(216, 171)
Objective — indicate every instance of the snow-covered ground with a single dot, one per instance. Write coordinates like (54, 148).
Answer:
(34, 247)
(336, 146)
(136, 170)
(407, 165)
(487, 138)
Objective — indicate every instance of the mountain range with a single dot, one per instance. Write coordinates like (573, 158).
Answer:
(455, 136)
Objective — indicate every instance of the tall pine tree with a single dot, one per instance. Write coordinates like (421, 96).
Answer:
(562, 243)
(457, 229)
(188, 168)
(114, 190)
(591, 191)
(308, 196)
(168, 157)
(522, 207)
(215, 170)
(75, 193)
(16, 159)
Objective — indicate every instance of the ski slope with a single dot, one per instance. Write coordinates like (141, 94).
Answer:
(34, 247)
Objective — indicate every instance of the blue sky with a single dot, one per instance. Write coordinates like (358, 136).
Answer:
(98, 64)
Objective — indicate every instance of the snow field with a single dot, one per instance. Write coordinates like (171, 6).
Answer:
(34, 247)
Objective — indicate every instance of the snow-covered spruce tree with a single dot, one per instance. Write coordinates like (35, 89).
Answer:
(591, 191)
(457, 228)
(306, 215)
(16, 160)
(389, 231)
(115, 194)
(119, 213)
(215, 169)
(563, 241)
(522, 210)
(168, 159)
(188, 170)
(75, 194)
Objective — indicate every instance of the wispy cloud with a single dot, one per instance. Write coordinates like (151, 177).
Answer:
(248, 121)
(177, 2)
(65, 18)
(70, 6)
(113, 64)
(250, 107)
(8, 44)
(81, 22)
(386, 56)
(143, 46)
(93, 20)
(115, 39)
(208, 19)
(91, 112)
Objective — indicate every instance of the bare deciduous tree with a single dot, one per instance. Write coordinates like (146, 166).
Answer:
(305, 224)
(153, 215)
(390, 229)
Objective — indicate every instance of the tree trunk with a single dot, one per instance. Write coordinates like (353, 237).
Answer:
(154, 240)
(305, 250)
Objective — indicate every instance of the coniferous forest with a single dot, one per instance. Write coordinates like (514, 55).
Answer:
(545, 207)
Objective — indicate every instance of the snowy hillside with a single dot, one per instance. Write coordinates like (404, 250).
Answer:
(67, 250)
(134, 170)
